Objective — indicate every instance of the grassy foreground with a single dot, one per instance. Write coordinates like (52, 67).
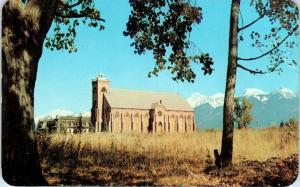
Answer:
(261, 157)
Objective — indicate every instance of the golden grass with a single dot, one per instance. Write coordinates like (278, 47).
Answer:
(265, 143)
(249, 143)
(104, 156)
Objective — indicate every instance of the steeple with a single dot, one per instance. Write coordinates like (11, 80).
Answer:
(101, 77)
(100, 86)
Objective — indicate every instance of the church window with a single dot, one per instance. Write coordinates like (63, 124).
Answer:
(103, 89)
(117, 114)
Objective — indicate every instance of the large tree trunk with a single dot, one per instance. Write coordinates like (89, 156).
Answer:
(24, 29)
(228, 125)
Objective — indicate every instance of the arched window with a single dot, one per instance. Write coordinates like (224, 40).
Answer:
(103, 89)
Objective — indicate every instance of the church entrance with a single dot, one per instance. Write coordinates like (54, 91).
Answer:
(159, 127)
(150, 126)
(151, 121)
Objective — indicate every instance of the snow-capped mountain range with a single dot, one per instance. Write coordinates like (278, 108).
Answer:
(256, 93)
(268, 108)
(217, 99)
(60, 113)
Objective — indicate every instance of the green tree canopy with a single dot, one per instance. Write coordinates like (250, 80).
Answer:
(242, 113)
(163, 27)
(68, 16)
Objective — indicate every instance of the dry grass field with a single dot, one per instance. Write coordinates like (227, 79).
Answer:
(261, 157)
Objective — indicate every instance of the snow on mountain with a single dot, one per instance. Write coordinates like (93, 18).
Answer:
(256, 93)
(253, 92)
(214, 100)
(284, 93)
(217, 99)
(268, 108)
(61, 112)
(84, 114)
(54, 114)
(196, 99)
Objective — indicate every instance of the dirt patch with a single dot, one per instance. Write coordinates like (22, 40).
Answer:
(272, 172)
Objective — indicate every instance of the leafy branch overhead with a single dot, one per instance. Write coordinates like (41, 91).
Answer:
(275, 43)
(163, 27)
(68, 16)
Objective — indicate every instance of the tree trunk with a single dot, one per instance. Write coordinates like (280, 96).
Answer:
(24, 29)
(228, 125)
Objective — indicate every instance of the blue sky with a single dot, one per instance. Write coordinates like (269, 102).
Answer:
(64, 80)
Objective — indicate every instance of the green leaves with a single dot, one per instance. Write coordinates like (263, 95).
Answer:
(205, 60)
(242, 112)
(163, 27)
(64, 36)
(283, 15)
(277, 42)
(67, 19)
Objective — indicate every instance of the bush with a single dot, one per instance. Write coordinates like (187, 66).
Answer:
(291, 123)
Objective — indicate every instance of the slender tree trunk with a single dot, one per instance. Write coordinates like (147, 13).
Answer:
(228, 125)
(24, 29)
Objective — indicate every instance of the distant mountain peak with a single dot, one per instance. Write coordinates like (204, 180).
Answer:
(218, 95)
(86, 114)
(254, 92)
(215, 100)
(268, 108)
(284, 93)
(55, 113)
(60, 113)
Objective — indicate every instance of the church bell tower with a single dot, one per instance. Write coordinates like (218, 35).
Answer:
(100, 85)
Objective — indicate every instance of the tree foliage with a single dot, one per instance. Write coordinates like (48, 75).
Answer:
(242, 113)
(274, 43)
(79, 126)
(163, 27)
(68, 16)
(291, 123)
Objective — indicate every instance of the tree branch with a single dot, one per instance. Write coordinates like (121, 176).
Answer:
(76, 15)
(76, 4)
(248, 25)
(268, 52)
(168, 3)
(66, 5)
(252, 71)
(242, 19)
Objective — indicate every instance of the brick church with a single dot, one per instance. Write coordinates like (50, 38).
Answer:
(121, 110)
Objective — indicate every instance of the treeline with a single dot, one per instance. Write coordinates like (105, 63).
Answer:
(292, 123)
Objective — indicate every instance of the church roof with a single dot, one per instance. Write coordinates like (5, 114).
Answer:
(121, 98)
